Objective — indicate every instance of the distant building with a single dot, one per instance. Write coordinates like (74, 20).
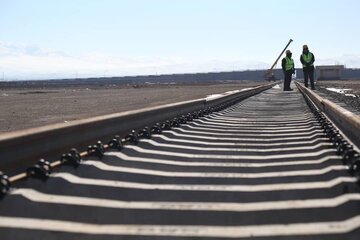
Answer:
(329, 72)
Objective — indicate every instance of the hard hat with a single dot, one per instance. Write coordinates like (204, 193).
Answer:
(288, 51)
(305, 46)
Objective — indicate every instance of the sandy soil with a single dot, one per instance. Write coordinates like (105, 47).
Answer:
(26, 108)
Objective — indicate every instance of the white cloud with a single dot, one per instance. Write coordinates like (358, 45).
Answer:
(33, 62)
(349, 60)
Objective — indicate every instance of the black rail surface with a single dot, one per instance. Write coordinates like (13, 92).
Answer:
(263, 168)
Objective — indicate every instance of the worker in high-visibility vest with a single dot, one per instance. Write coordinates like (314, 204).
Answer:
(307, 59)
(288, 67)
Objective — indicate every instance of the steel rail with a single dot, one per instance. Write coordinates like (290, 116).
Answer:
(346, 121)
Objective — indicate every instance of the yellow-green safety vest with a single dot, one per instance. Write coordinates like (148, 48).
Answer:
(307, 58)
(289, 64)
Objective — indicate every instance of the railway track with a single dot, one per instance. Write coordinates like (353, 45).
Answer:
(276, 165)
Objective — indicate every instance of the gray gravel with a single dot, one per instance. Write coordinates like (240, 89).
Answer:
(349, 102)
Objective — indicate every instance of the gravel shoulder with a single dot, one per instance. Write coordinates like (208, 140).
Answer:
(348, 95)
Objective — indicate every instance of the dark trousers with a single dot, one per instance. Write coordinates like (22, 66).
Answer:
(287, 79)
(309, 73)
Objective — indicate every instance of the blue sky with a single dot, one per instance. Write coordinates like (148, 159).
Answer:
(54, 39)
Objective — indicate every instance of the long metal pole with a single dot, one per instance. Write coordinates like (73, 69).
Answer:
(281, 54)
(271, 69)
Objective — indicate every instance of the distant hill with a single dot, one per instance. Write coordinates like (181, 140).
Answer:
(168, 78)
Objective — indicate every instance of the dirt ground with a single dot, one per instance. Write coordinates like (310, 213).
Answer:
(28, 107)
